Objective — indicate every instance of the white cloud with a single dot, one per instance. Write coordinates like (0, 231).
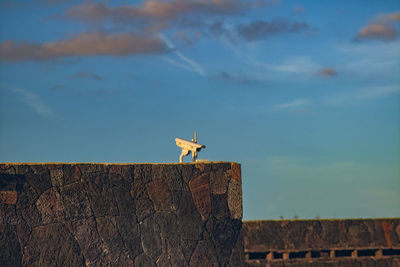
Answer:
(360, 95)
(379, 91)
(370, 59)
(298, 65)
(186, 63)
(32, 100)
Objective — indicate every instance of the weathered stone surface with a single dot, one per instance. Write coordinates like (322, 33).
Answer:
(50, 206)
(220, 208)
(236, 171)
(151, 239)
(189, 220)
(87, 168)
(143, 260)
(325, 238)
(128, 228)
(75, 201)
(319, 234)
(121, 187)
(171, 255)
(126, 171)
(219, 180)
(175, 255)
(110, 236)
(31, 216)
(90, 243)
(201, 193)
(160, 194)
(188, 247)
(100, 194)
(204, 255)
(9, 184)
(52, 245)
(388, 262)
(143, 204)
(116, 215)
(8, 197)
(174, 179)
(27, 196)
(57, 176)
(237, 256)
(10, 214)
(168, 225)
(23, 232)
(39, 178)
(10, 250)
(235, 198)
(224, 234)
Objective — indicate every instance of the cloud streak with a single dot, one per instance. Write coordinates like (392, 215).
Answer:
(361, 95)
(187, 63)
(33, 100)
(298, 103)
(378, 91)
(299, 65)
(84, 44)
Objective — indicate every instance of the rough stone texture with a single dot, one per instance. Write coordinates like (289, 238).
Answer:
(326, 237)
(390, 262)
(320, 234)
(55, 214)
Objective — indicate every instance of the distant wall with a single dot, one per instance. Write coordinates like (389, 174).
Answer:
(363, 242)
(120, 214)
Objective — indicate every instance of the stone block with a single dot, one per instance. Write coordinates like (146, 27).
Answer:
(50, 206)
(160, 195)
(201, 193)
(75, 201)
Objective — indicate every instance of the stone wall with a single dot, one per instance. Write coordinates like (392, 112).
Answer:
(120, 214)
(355, 242)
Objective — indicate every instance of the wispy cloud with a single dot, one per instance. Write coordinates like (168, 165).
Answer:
(87, 75)
(378, 91)
(186, 63)
(84, 44)
(31, 99)
(371, 59)
(350, 98)
(295, 104)
(361, 95)
(383, 28)
(297, 65)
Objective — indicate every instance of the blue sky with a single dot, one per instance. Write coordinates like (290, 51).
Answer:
(304, 94)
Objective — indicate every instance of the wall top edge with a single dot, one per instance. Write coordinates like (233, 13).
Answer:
(311, 220)
(109, 163)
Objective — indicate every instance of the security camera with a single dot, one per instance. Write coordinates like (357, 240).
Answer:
(189, 146)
